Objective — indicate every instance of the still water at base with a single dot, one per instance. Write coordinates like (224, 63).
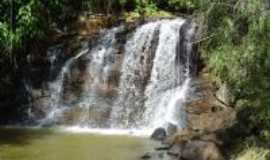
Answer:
(56, 144)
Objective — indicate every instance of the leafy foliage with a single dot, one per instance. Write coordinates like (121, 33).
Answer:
(238, 53)
(21, 21)
(253, 153)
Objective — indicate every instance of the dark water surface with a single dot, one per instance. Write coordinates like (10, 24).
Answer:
(54, 144)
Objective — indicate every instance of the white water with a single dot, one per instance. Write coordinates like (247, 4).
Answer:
(163, 87)
(100, 62)
(102, 59)
(56, 91)
(133, 74)
(152, 89)
(170, 107)
(106, 131)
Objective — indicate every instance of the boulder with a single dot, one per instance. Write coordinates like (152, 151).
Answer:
(201, 150)
(159, 134)
(180, 137)
(212, 137)
(163, 147)
(175, 150)
(154, 156)
(146, 156)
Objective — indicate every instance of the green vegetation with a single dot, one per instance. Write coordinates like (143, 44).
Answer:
(238, 53)
(23, 21)
(20, 22)
(253, 153)
(236, 48)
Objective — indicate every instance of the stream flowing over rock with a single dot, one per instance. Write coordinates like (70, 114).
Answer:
(124, 79)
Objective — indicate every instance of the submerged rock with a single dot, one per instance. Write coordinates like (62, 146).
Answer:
(146, 156)
(159, 134)
(157, 155)
(163, 147)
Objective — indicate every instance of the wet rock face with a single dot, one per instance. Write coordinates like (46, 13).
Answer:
(207, 112)
(186, 49)
(78, 78)
(76, 114)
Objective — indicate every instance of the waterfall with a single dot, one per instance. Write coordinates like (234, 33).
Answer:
(139, 51)
(164, 84)
(55, 90)
(169, 85)
(102, 59)
(141, 81)
(99, 65)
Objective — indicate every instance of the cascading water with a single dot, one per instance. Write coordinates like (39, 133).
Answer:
(164, 78)
(136, 68)
(143, 87)
(100, 62)
(56, 91)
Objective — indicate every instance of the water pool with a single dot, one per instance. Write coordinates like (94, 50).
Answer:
(56, 144)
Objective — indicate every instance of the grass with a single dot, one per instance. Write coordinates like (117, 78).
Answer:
(253, 153)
